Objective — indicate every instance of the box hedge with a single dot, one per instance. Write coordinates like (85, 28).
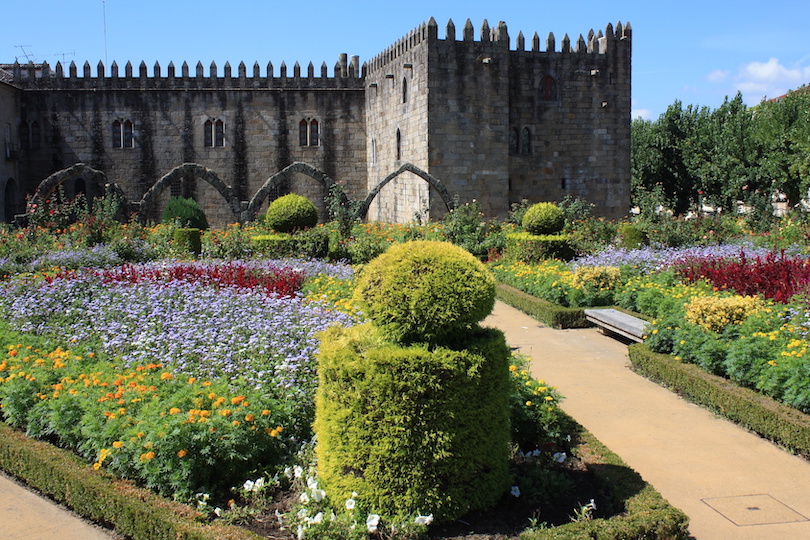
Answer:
(413, 429)
(528, 247)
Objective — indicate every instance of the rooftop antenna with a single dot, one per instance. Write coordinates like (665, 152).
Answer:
(104, 10)
(28, 56)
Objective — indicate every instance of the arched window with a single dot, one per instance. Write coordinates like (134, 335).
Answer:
(526, 141)
(214, 133)
(548, 89)
(399, 145)
(36, 136)
(122, 136)
(303, 139)
(404, 90)
(314, 135)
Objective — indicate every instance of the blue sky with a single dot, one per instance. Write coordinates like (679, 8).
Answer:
(697, 52)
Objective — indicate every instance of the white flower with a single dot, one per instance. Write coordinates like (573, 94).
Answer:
(372, 521)
(298, 471)
(288, 472)
(258, 484)
(318, 518)
(218, 511)
(248, 485)
(350, 504)
(304, 498)
(312, 483)
(318, 495)
(559, 457)
(424, 520)
(300, 532)
(592, 505)
(515, 491)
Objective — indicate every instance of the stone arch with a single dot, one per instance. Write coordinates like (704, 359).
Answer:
(91, 176)
(150, 198)
(411, 168)
(280, 177)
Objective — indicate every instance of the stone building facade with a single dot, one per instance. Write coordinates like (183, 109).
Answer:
(475, 117)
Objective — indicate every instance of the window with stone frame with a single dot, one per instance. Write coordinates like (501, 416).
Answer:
(548, 88)
(309, 132)
(214, 133)
(526, 141)
(122, 134)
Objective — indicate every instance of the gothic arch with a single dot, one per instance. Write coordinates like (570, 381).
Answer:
(182, 171)
(282, 176)
(92, 177)
(407, 167)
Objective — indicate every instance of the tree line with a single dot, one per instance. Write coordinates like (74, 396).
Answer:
(694, 156)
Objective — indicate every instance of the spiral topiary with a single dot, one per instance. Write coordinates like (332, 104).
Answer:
(543, 218)
(425, 291)
(291, 213)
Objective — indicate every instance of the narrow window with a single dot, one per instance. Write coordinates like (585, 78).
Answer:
(404, 90)
(302, 133)
(116, 134)
(399, 145)
(548, 89)
(25, 136)
(513, 141)
(526, 142)
(36, 136)
(219, 133)
(128, 141)
(208, 133)
(314, 137)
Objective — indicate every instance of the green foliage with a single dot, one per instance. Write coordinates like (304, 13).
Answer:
(413, 429)
(274, 246)
(342, 210)
(425, 291)
(188, 241)
(527, 247)
(544, 219)
(291, 213)
(186, 212)
(466, 226)
(631, 237)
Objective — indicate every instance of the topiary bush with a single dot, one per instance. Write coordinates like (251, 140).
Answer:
(544, 218)
(188, 240)
(413, 429)
(425, 291)
(185, 211)
(291, 213)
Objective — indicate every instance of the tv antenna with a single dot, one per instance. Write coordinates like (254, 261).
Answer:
(28, 56)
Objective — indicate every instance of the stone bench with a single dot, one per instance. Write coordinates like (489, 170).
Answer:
(613, 321)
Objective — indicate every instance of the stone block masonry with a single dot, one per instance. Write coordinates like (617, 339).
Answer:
(492, 122)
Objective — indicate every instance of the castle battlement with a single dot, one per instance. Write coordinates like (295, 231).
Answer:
(345, 75)
(594, 43)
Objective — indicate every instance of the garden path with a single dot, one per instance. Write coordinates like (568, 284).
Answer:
(25, 515)
(732, 484)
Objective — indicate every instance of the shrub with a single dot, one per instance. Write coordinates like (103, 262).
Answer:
(544, 218)
(189, 240)
(631, 237)
(412, 429)
(290, 213)
(527, 247)
(185, 211)
(425, 291)
(715, 313)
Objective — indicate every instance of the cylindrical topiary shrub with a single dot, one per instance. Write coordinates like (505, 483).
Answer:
(186, 212)
(413, 429)
(425, 291)
(291, 213)
(189, 240)
(544, 218)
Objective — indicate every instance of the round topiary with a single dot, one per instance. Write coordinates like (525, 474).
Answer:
(291, 213)
(185, 211)
(543, 218)
(425, 291)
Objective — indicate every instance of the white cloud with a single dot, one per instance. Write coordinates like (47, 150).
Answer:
(644, 114)
(771, 79)
(718, 75)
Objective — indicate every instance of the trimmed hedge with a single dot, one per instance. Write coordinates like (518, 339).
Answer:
(95, 494)
(544, 311)
(643, 512)
(291, 213)
(768, 418)
(524, 246)
(188, 240)
(413, 429)
(543, 218)
(187, 212)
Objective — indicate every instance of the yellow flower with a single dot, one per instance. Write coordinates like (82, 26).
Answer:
(118, 444)
(174, 410)
(182, 453)
(249, 418)
(147, 456)
(165, 376)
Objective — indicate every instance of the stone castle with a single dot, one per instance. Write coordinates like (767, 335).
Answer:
(428, 122)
